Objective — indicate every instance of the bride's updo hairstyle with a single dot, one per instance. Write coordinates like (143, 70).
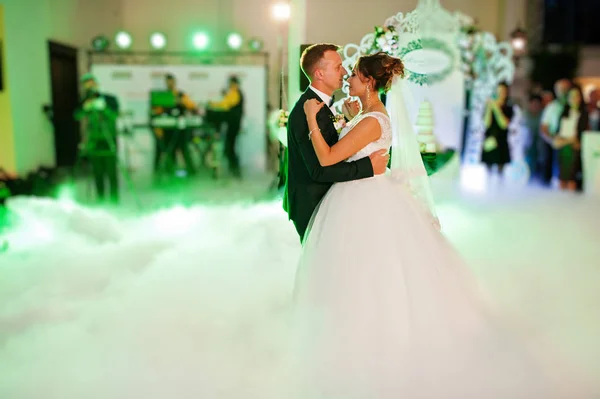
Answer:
(382, 68)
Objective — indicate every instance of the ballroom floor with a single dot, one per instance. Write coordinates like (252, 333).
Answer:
(87, 293)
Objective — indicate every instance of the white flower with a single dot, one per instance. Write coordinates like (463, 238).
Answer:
(464, 42)
(339, 122)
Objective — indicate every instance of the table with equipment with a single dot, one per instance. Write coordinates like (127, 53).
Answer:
(204, 133)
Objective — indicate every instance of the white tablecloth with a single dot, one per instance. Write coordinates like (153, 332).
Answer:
(590, 156)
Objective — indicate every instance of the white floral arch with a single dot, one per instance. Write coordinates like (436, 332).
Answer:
(476, 56)
(481, 60)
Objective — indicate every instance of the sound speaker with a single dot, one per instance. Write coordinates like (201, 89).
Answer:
(304, 82)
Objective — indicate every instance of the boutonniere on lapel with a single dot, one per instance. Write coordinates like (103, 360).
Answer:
(339, 122)
(283, 118)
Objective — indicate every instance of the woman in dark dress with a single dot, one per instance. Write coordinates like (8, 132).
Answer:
(573, 122)
(498, 114)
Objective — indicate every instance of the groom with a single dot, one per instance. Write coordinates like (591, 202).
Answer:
(307, 181)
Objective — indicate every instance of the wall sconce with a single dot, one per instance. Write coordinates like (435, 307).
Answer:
(518, 42)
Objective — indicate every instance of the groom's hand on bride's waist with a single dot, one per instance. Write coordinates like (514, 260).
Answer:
(379, 161)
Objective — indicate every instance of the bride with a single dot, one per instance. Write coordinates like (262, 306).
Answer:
(384, 307)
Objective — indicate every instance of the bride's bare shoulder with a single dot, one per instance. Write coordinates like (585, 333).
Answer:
(382, 110)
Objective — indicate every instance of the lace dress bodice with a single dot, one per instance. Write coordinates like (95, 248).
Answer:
(384, 142)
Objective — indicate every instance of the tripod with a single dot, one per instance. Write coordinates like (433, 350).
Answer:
(93, 152)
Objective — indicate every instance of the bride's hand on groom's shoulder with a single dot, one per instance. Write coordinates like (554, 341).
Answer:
(312, 107)
(350, 108)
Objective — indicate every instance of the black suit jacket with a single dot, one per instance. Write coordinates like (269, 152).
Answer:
(307, 181)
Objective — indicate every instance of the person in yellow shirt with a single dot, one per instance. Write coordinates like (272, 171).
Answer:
(183, 100)
(172, 141)
(233, 105)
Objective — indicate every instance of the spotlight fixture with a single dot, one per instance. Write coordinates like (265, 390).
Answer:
(200, 41)
(234, 41)
(158, 41)
(123, 40)
(255, 44)
(100, 43)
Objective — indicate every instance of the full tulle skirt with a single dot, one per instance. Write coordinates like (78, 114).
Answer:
(385, 308)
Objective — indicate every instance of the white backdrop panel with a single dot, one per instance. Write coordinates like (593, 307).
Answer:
(590, 155)
(447, 97)
(132, 85)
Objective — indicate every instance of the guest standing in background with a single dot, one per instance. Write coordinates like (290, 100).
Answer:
(533, 117)
(233, 104)
(498, 114)
(549, 127)
(547, 98)
(594, 110)
(100, 111)
(178, 140)
(573, 122)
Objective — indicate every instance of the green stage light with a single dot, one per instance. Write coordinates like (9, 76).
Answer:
(255, 44)
(200, 41)
(234, 41)
(123, 40)
(158, 41)
(100, 43)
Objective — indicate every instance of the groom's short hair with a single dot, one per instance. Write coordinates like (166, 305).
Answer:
(312, 55)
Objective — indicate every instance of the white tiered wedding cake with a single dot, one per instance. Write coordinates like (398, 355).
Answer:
(425, 135)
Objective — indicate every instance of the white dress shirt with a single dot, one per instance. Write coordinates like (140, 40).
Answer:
(324, 97)
(551, 116)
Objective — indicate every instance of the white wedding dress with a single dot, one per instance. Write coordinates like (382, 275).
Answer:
(385, 308)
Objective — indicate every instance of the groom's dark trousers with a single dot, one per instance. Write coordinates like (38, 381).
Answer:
(307, 181)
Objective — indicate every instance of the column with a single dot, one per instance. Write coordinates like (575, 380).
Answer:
(7, 144)
(296, 37)
(28, 80)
